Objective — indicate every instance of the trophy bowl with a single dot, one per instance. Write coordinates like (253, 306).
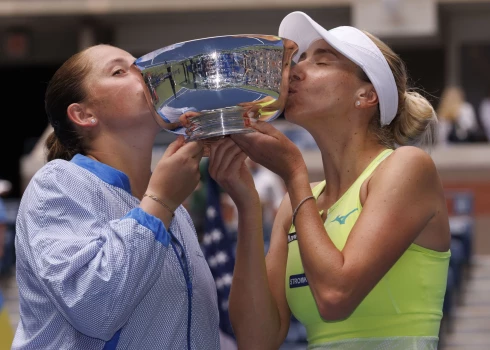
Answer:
(221, 79)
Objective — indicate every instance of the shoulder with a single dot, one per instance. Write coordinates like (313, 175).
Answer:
(411, 153)
(409, 166)
(50, 169)
(411, 160)
(58, 177)
(57, 171)
(53, 166)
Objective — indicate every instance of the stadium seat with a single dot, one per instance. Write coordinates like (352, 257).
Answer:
(457, 261)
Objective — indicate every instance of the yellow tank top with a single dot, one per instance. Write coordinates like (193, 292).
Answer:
(404, 309)
(6, 331)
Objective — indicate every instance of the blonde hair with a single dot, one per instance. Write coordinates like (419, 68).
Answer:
(415, 120)
(452, 99)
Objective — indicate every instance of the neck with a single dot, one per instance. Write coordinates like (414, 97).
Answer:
(132, 159)
(345, 155)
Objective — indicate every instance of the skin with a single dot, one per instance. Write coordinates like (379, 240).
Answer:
(403, 201)
(125, 129)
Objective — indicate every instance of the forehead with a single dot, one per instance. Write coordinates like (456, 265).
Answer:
(102, 55)
(321, 48)
(323, 45)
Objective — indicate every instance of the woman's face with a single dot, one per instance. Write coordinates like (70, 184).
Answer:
(115, 91)
(323, 84)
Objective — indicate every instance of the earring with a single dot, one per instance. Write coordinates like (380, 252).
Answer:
(358, 103)
(92, 120)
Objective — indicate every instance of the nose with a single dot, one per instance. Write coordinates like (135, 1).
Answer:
(296, 72)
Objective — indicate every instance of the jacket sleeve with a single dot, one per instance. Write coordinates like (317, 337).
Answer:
(94, 271)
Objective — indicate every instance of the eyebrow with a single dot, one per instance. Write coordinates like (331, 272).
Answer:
(320, 51)
(115, 61)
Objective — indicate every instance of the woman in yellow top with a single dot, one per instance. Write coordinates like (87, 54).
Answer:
(6, 331)
(361, 258)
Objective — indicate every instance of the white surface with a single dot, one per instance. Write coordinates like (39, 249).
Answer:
(396, 17)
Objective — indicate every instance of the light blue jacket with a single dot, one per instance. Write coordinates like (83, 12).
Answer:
(97, 272)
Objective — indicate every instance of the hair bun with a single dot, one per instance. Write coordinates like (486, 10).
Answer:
(416, 124)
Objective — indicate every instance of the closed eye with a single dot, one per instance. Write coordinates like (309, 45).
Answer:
(302, 57)
(118, 72)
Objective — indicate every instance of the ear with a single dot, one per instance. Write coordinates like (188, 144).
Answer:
(367, 97)
(80, 115)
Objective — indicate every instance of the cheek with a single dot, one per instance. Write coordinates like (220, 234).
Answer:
(127, 96)
(334, 90)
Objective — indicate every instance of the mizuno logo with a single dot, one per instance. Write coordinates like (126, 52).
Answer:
(341, 219)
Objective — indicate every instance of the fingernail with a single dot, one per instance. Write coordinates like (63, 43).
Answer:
(251, 114)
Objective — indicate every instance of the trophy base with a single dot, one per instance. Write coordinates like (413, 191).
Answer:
(217, 122)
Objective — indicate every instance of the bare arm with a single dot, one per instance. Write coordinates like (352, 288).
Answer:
(258, 310)
(403, 195)
(401, 200)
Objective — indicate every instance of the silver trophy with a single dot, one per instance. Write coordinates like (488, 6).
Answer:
(220, 78)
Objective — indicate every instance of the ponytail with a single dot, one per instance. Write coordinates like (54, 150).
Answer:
(56, 150)
(416, 123)
(67, 86)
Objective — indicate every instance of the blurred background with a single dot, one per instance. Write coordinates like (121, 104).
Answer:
(445, 43)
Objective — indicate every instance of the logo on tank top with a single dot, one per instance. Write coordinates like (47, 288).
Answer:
(341, 218)
(292, 237)
(296, 281)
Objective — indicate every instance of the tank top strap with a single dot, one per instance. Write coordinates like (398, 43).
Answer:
(374, 164)
(318, 188)
(379, 158)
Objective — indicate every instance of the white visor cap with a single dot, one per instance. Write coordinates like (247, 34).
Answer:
(353, 44)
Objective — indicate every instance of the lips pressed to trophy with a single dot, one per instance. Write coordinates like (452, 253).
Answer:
(221, 78)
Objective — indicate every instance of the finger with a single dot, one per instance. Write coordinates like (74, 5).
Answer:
(242, 157)
(223, 147)
(261, 101)
(245, 104)
(238, 161)
(266, 128)
(212, 158)
(215, 144)
(229, 152)
(219, 148)
(200, 154)
(184, 118)
(227, 169)
(174, 146)
(244, 141)
(191, 149)
(252, 112)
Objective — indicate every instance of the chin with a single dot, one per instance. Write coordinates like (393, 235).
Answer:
(292, 115)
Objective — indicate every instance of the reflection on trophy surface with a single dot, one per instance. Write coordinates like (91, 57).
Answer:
(219, 77)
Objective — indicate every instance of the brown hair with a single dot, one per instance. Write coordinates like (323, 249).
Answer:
(65, 87)
(415, 120)
(450, 104)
